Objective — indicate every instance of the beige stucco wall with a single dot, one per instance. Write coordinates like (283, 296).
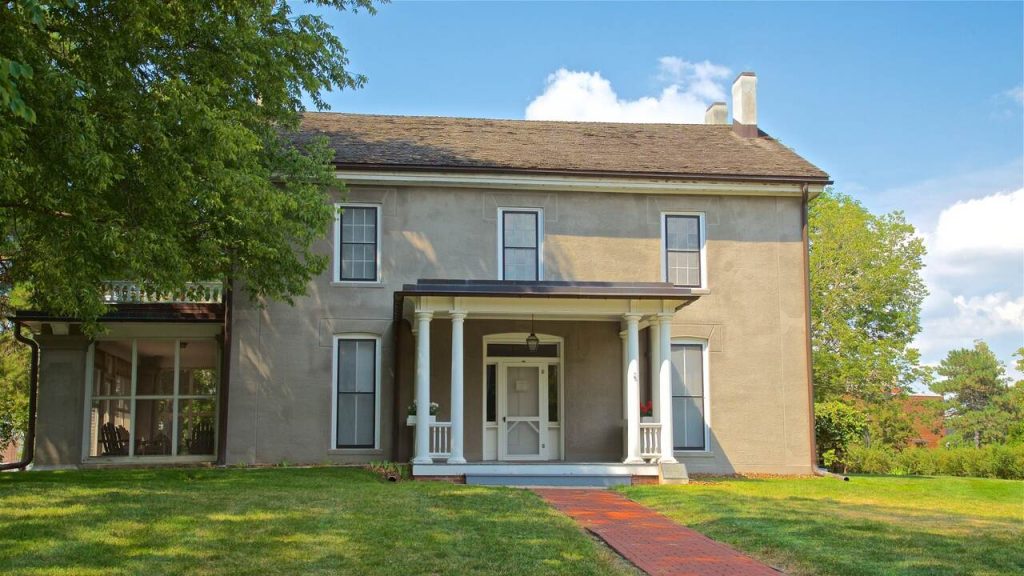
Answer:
(61, 401)
(280, 398)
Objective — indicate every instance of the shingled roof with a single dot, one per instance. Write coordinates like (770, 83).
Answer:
(669, 150)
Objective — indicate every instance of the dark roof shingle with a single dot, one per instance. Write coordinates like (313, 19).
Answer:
(678, 150)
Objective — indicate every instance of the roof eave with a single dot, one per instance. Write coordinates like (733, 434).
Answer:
(782, 179)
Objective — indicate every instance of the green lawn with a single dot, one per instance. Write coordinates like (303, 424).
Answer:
(281, 521)
(867, 526)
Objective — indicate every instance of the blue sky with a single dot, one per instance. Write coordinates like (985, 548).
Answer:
(915, 107)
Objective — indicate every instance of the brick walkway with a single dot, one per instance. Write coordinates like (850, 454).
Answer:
(649, 540)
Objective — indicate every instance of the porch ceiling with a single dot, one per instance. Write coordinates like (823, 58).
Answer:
(546, 299)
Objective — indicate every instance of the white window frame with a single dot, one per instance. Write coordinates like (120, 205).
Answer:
(90, 365)
(501, 239)
(334, 389)
(706, 392)
(703, 247)
(336, 240)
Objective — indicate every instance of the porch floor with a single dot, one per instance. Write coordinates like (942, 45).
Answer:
(554, 473)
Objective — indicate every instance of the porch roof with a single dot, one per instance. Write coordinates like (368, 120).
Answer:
(549, 289)
(551, 299)
(149, 312)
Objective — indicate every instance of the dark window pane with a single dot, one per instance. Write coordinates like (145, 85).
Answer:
(153, 427)
(688, 396)
(112, 368)
(553, 393)
(198, 368)
(520, 230)
(109, 424)
(156, 368)
(358, 243)
(520, 242)
(356, 389)
(492, 393)
(682, 232)
(682, 250)
(520, 264)
(196, 420)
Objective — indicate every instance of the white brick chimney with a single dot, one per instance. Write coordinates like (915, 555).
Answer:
(744, 105)
(717, 113)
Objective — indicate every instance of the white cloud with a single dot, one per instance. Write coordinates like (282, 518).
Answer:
(983, 226)
(996, 311)
(1015, 94)
(975, 277)
(588, 96)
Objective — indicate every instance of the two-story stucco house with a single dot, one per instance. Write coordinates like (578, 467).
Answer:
(582, 301)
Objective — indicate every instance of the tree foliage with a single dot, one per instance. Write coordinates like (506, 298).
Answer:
(837, 425)
(14, 364)
(981, 407)
(866, 296)
(150, 141)
(889, 423)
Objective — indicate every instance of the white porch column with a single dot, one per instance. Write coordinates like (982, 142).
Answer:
(422, 455)
(633, 390)
(457, 389)
(665, 388)
(654, 345)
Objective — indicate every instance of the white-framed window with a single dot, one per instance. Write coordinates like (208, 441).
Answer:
(690, 405)
(521, 244)
(683, 248)
(355, 405)
(152, 397)
(357, 243)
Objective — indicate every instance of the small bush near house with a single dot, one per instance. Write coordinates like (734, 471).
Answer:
(993, 461)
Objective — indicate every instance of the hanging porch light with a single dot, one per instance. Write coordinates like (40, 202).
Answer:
(532, 342)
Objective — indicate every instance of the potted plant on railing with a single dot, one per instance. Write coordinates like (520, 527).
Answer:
(410, 419)
(647, 412)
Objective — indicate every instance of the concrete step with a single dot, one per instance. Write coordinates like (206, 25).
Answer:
(573, 480)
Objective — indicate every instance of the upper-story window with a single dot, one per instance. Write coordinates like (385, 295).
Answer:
(683, 244)
(357, 243)
(521, 243)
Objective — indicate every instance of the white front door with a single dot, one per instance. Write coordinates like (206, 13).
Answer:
(522, 411)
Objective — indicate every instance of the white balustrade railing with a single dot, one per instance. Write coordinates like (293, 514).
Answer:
(118, 292)
(440, 439)
(650, 439)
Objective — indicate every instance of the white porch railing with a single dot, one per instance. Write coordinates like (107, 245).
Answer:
(119, 292)
(440, 439)
(650, 439)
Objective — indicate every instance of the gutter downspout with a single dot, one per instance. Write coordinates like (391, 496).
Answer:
(225, 374)
(807, 317)
(30, 435)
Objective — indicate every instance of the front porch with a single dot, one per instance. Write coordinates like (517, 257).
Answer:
(575, 474)
(558, 373)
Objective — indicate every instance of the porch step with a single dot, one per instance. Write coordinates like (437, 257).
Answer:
(573, 480)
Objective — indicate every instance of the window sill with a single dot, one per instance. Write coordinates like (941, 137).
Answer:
(693, 454)
(694, 290)
(358, 284)
(354, 452)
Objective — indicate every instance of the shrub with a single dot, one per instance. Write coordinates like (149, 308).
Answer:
(994, 461)
(836, 426)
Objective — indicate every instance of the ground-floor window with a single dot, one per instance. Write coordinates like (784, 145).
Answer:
(153, 397)
(357, 385)
(689, 391)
